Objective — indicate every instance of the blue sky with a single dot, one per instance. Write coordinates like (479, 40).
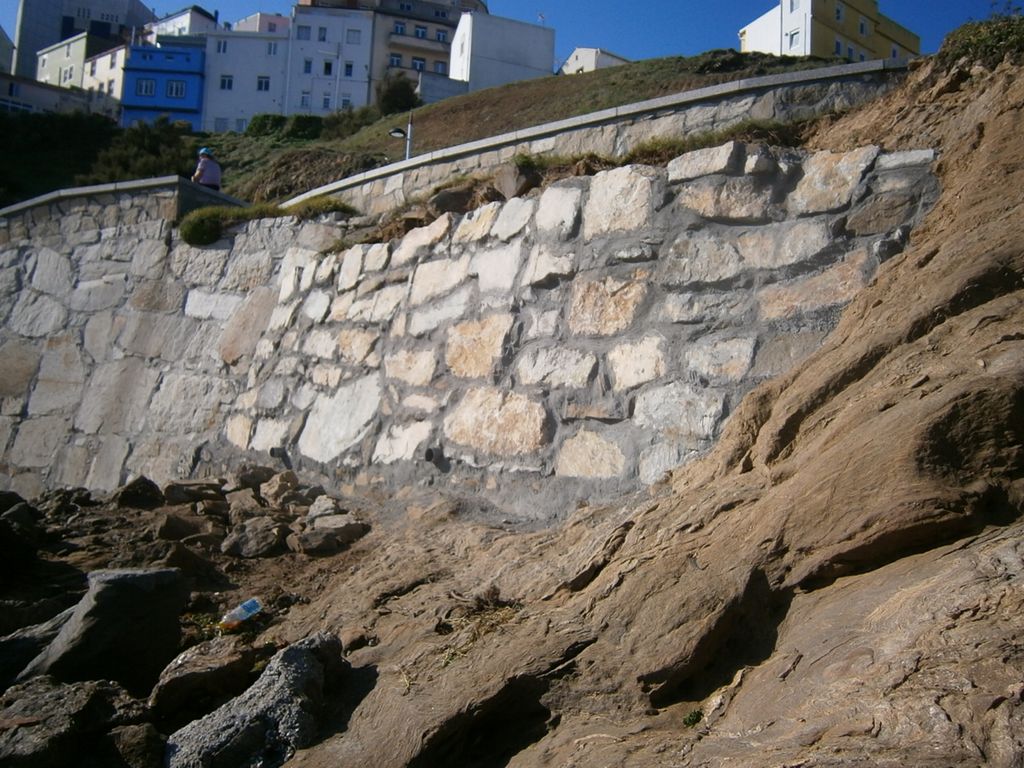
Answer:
(637, 30)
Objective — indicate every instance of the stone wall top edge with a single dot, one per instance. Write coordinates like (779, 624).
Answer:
(595, 118)
(94, 189)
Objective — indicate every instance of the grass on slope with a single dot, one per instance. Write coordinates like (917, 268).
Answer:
(262, 173)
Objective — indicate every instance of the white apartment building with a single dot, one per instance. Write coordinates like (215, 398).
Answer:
(245, 76)
(189, 21)
(329, 60)
(103, 80)
(490, 50)
(263, 22)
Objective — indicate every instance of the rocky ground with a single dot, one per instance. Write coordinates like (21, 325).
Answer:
(840, 582)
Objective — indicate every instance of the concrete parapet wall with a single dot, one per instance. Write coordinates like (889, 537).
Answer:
(574, 344)
(616, 132)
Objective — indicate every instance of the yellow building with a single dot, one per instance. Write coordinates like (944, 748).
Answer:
(851, 29)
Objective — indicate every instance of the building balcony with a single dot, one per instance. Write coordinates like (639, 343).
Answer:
(418, 44)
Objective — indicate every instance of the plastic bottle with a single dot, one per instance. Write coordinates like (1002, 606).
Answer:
(234, 618)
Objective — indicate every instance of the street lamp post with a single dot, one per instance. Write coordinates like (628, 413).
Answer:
(406, 133)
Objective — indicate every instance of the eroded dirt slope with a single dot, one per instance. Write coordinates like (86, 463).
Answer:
(840, 582)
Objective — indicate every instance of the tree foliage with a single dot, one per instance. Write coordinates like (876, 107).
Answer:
(143, 151)
(396, 93)
(39, 157)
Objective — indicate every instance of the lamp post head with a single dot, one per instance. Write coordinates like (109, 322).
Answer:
(398, 133)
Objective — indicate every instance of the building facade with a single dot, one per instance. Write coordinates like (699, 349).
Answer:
(42, 23)
(63, 64)
(245, 76)
(164, 80)
(488, 51)
(328, 63)
(409, 36)
(188, 21)
(22, 94)
(103, 81)
(590, 59)
(263, 22)
(6, 52)
(850, 29)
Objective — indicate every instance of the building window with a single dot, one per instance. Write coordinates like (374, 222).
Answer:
(399, 27)
(271, 49)
(405, 6)
(220, 124)
(346, 100)
(850, 53)
(227, 82)
(863, 27)
(92, 69)
(113, 59)
(421, 32)
(240, 124)
(222, 46)
(440, 14)
(895, 53)
(441, 35)
(839, 47)
(302, 32)
(395, 60)
(839, 11)
(328, 68)
(441, 67)
(863, 57)
(354, 36)
(145, 87)
(794, 39)
(271, 26)
(110, 86)
(176, 89)
(67, 51)
(321, 34)
(348, 69)
(262, 83)
(307, 67)
(326, 102)
(304, 100)
(794, 5)
(419, 64)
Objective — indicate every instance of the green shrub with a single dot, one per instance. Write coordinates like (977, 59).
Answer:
(265, 125)
(397, 93)
(347, 122)
(694, 717)
(303, 127)
(204, 226)
(317, 206)
(986, 42)
(145, 150)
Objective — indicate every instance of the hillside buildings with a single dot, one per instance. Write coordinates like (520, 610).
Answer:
(489, 50)
(589, 59)
(42, 23)
(327, 55)
(850, 29)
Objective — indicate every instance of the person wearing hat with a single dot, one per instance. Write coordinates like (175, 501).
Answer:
(208, 171)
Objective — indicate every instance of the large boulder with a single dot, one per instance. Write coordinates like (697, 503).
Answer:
(21, 646)
(47, 724)
(264, 726)
(204, 677)
(125, 629)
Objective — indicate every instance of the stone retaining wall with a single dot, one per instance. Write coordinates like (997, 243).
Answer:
(615, 132)
(570, 345)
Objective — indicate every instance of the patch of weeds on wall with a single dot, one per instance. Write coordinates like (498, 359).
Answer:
(204, 226)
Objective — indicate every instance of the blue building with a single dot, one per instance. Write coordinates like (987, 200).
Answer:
(165, 80)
